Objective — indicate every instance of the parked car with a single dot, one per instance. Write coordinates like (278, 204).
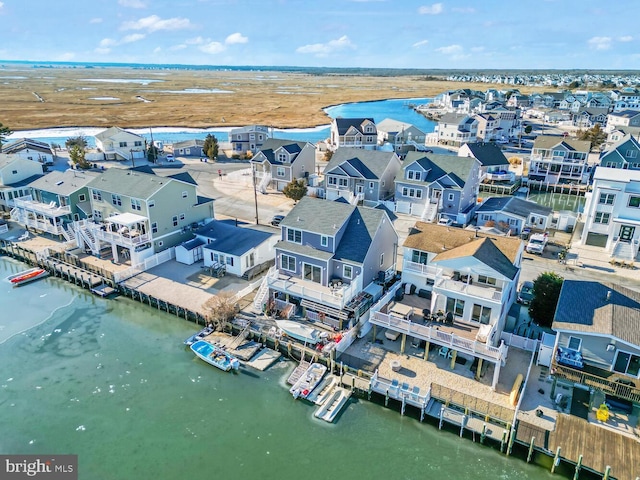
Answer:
(537, 243)
(275, 221)
(525, 294)
(445, 221)
(170, 158)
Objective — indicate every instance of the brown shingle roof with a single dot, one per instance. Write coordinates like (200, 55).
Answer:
(432, 238)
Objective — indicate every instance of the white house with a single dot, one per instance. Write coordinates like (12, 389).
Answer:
(513, 214)
(118, 144)
(30, 150)
(15, 175)
(612, 213)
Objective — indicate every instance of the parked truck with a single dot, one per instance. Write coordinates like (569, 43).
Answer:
(537, 243)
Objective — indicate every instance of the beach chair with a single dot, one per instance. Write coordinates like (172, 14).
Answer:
(405, 388)
(24, 236)
(394, 385)
(415, 393)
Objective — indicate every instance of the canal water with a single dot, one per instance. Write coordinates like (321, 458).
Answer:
(111, 381)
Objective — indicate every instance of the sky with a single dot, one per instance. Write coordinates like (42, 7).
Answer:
(457, 34)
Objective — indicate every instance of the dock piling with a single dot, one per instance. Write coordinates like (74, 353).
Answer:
(607, 471)
(578, 467)
(556, 460)
(531, 445)
(483, 435)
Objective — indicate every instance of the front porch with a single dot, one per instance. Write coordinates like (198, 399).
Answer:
(44, 217)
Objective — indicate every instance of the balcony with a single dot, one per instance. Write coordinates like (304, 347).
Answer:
(438, 335)
(425, 270)
(51, 210)
(445, 285)
(608, 382)
(129, 239)
(336, 297)
(499, 176)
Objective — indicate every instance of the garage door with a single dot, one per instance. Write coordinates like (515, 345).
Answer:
(596, 240)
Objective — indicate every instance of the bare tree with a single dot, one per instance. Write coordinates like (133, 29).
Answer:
(220, 308)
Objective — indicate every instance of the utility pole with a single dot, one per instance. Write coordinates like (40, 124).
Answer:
(255, 191)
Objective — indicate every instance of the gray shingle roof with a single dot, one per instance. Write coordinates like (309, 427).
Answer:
(130, 183)
(513, 205)
(550, 141)
(439, 166)
(344, 124)
(230, 239)
(356, 162)
(110, 132)
(63, 183)
(26, 143)
(589, 307)
(318, 216)
(194, 142)
(362, 227)
(271, 145)
(304, 250)
(488, 154)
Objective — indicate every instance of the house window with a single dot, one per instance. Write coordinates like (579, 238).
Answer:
(116, 200)
(282, 157)
(627, 363)
(486, 280)
(634, 202)
(312, 272)
(418, 193)
(607, 198)
(14, 172)
(419, 257)
(96, 195)
(332, 180)
(481, 314)
(135, 204)
(343, 182)
(82, 197)
(381, 259)
(347, 271)
(287, 262)
(631, 154)
(182, 216)
(575, 343)
(601, 217)
(450, 197)
(417, 175)
(97, 215)
(280, 171)
(175, 221)
(123, 144)
(160, 243)
(371, 185)
(230, 261)
(405, 191)
(137, 143)
(185, 194)
(152, 203)
(154, 227)
(260, 137)
(410, 175)
(294, 236)
(324, 240)
(455, 306)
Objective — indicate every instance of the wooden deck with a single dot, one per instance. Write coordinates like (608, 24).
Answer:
(598, 446)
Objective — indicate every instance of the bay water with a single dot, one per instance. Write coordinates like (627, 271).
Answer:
(110, 381)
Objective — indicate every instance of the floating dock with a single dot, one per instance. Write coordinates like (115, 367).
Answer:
(264, 359)
(332, 406)
(103, 290)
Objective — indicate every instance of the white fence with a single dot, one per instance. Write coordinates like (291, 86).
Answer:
(523, 343)
(148, 263)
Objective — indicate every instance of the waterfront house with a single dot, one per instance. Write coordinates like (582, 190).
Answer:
(16, 173)
(359, 175)
(330, 254)
(625, 99)
(226, 247)
(494, 166)
(597, 345)
(189, 148)
(31, 150)
(248, 139)
(559, 159)
(56, 199)
(468, 281)
(513, 214)
(612, 213)
(402, 136)
(136, 214)
(281, 161)
(618, 133)
(457, 129)
(433, 184)
(118, 144)
(488, 127)
(624, 154)
(354, 132)
(508, 119)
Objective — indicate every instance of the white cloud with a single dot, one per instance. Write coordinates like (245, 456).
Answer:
(1, 5)
(450, 50)
(134, 37)
(107, 42)
(66, 57)
(477, 49)
(213, 48)
(464, 10)
(322, 49)
(600, 43)
(154, 23)
(434, 9)
(236, 38)
(195, 41)
(175, 48)
(102, 51)
(420, 43)
(625, 38)
(95, 20)
(132, 3)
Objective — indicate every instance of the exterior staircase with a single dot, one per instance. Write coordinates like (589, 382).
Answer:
(624, 251)
(261, 296)
(430, 212)
(264, 183)
(84, 233)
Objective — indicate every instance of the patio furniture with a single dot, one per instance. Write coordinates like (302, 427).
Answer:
(445, 352)
(405, 388)
(395, 384)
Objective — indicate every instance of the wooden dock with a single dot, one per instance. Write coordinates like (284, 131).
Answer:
(264, 359)
(297, 373)
(103, 290)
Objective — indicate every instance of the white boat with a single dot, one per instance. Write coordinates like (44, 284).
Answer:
(27, 276)
(215, 356)
(299, 331)
(308, 381)
(330, 409)
(323, 390)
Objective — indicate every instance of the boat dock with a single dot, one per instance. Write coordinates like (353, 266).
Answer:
(264, 359)
(297, 373)
(332, 405)
(103, 290)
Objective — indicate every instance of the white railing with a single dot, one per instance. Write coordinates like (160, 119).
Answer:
(119, 238)
(261, 296)
(337, 297)
(487, 293)
(286, 309)
(48, 209)
(355, 198)
(42, 225)
(386, 298)
(403, 392)
(523, 343)
(431, 334)
(499, 177)
(148, 263)
(346, 341)
(426, 270)
(245, 291)
(264, 183)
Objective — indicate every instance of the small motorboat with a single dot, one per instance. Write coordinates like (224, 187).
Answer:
(208, 330)
(215, 356)
(27, 276)
(299, 331)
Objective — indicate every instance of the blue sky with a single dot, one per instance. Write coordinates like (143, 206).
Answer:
(535, 34)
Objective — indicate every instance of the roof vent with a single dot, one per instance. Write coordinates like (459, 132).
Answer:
(298, 219)
(608, 295)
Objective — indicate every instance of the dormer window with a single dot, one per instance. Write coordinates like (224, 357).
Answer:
(282, 157)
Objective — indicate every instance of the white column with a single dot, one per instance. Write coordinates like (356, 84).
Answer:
(496, 375)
